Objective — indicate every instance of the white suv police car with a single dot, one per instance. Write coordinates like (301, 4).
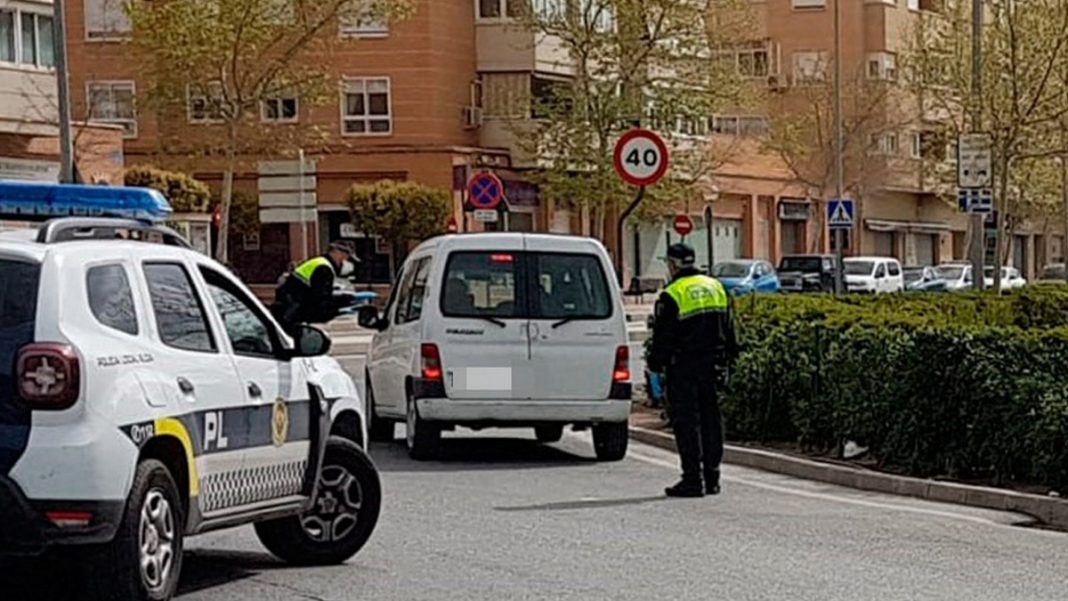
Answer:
(146, 395)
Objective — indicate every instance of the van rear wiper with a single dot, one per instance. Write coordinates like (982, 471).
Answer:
(493, 320)
(563, 321)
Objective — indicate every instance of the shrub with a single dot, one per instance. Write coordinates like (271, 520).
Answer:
(399, 211)
(969, 385)
(186, 194)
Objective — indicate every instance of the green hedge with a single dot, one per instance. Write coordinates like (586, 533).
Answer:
(957, 385)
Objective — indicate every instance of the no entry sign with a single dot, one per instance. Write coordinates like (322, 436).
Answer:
(485, 191)
(683, 224)
(641, 157)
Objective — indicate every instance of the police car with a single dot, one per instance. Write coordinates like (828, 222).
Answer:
(146, 396)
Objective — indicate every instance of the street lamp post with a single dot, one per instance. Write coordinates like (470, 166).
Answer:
(59, 44)
(839, 166)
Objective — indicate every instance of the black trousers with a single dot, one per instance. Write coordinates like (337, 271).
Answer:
(696, 420)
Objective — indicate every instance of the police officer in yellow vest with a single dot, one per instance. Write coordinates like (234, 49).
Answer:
(693, 342)
(306, 295)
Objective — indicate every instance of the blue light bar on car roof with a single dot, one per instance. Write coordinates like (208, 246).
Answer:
(34, 200)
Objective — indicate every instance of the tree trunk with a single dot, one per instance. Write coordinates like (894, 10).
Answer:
(1064, 195)
(222, 252)
(999, 234)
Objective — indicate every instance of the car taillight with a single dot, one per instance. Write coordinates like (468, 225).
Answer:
(621, 372)
(431, 362)
(49, 376)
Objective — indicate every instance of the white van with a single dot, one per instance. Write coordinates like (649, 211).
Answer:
(873, 275)
(501, 330)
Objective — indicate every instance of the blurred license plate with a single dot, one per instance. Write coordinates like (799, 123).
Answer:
(487, 378)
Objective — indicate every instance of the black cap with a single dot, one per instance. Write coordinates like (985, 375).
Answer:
(682, 253)
(344, 246)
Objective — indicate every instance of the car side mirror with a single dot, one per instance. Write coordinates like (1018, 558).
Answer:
(367, 316)
(311, 342)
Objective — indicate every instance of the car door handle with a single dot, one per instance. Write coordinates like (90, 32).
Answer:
(186, 386)
(254, 390)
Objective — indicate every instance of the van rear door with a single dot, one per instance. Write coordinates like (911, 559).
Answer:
(483, 330)
(576, 321)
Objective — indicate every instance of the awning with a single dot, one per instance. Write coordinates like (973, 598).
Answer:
(918, 227)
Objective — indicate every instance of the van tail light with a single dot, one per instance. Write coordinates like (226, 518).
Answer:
(49, 376)
(431, 362)
(621, 371)
(69, 519)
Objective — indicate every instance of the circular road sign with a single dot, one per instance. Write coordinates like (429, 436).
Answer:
(641, 157)
(485, 191)
(683, 224)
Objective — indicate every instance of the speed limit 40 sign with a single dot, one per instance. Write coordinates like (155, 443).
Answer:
(641, 157)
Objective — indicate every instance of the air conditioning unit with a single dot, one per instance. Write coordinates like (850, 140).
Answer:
(472, 117)
(777, 82)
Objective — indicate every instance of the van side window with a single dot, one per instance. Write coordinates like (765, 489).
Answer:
(404, 295)
(895, 269)
(111, 299)
(411, 308)
(880, 271)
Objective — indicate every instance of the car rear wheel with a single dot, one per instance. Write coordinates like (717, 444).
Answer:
(378, 429)
(547, 434)
(610, 441)
(343, 517)
(423, 437)
(144, 560)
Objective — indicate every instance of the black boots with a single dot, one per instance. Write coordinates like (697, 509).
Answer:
(712, 483)
(686, 488)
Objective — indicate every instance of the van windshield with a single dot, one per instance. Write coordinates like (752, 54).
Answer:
(525, 285)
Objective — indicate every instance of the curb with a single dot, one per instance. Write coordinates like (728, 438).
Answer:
(1047, 510)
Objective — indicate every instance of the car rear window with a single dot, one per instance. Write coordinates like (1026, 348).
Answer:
(111, 299)
(18, 313)
(809, 264)
(525, 285)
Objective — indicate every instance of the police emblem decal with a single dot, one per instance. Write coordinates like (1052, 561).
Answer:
(279, 423)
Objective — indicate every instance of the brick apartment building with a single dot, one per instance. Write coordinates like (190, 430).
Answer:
(29, 145)
(435, 96)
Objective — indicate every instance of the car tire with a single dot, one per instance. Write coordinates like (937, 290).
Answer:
(548, 434)
(378, 429)
(422, 437)
(610, 441)
(344, 515)
(144, 560)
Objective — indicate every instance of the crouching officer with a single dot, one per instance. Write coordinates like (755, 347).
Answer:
(306, 294)
(693, 342)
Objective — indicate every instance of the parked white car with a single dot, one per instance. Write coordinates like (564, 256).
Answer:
(958, 276)
(873, 275)
(501, 330)
(1010, 278)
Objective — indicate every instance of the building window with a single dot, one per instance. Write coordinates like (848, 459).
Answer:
(36, 43)
(106, 19)
(365, 25)
(7, 36)
(810, 67)
(916, 147)
(550, 10)
(751, 60)
(113, 102)
(740, 125)
(280, 110)
(884, 144)
(206, 103)
(882, 65)
(365, 106)
(722, 124)
(809, 4)
(496, 9)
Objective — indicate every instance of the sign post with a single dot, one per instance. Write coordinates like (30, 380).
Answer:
(641, 159)
(975, 195)
(840, 218)
(485, 193)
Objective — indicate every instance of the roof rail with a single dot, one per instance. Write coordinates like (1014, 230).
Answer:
(69, 229)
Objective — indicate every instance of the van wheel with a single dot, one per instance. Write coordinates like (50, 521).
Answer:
(378, 429)
(423, 437)
(343, 517)
(610, 441)
(144, 560)
(547, 434)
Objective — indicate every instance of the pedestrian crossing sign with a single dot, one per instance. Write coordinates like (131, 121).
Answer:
(840, 213)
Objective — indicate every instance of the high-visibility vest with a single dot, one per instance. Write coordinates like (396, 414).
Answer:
(698, 294)
(305, 270)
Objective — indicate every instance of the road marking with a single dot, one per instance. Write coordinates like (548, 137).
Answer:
(356, 356)
(861, 502)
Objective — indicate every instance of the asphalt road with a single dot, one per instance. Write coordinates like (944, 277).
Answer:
(501, 517)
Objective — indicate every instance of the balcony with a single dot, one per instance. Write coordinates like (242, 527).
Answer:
(505, 46)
